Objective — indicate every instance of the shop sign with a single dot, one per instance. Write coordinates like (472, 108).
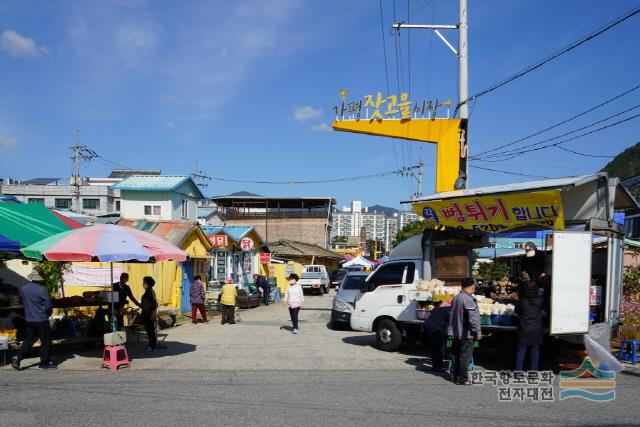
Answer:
(496, 213)
(246, 244)
(218, 240)
(265, 258)
(378, 107)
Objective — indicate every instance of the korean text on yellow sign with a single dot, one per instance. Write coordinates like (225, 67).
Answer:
(496, 213)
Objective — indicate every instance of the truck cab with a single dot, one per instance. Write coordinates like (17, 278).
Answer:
(315, 278)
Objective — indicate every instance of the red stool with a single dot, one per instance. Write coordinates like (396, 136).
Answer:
(115, 356)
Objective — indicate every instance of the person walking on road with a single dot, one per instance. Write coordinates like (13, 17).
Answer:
(294, 300)
(228, 295)
(37, 310)
(197, 297)
(149, 315)
(529, 323)
(465, 325)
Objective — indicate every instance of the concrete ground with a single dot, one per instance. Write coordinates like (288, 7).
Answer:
(258, 373)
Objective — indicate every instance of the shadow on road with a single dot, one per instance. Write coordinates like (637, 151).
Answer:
(165, 348)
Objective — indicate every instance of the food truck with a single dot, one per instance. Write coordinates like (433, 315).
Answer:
(574, 210)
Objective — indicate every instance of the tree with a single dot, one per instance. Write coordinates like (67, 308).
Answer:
(488, 271)
(409, 230)
(51, 272)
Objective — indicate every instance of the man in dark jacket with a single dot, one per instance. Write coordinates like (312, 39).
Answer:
(436, 327)
(124, 293)
(263, 284)
(465, 326)
(37, 310)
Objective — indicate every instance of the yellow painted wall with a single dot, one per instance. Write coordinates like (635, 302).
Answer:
(166, 274)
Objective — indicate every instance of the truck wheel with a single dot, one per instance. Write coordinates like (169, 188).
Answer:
(388, 336)
(326, 289)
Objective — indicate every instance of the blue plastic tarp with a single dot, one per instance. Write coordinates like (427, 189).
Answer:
(7, 245)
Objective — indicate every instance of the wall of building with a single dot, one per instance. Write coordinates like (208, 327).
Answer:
(305, 230)
(133, 202)
(192, 207)
(107, 197)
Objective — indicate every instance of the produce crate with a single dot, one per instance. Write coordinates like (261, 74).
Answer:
(449, 343)
(503, 320)
(485, 319)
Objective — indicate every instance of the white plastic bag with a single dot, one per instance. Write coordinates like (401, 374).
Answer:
(598, 345)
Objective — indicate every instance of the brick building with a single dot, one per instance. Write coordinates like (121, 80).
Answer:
(300, 219)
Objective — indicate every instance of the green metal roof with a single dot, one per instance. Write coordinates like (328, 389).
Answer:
(28, 223)
(156, 183)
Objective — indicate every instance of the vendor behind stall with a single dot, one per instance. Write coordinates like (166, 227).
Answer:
(124, 292)
(536, 264)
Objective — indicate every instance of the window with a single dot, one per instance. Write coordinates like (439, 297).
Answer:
(518, 245)
(117, 205)
(353, 282)
(155, 210)
(452, 262)
(36, 200)
(185, 208)
(63, 204)
(392, 274)
(90, 203)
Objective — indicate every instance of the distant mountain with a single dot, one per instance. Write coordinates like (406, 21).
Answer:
(384, 209)
(244, 194)
(626, 164)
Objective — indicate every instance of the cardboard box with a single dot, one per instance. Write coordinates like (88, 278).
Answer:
(115, 338)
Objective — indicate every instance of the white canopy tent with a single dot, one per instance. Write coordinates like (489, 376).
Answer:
(359, 260)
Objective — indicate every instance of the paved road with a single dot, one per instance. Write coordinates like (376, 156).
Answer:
(258, 373)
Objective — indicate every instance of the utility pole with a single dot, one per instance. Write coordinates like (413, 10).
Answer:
(420, 174)
(80, 152)
(76, 177)
(463, 77)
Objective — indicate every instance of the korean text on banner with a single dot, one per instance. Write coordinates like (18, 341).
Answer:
(496, 213)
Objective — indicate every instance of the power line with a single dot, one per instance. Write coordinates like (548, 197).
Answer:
(516, 150)
(384, 47)
(509, 172)
(602, 104)
(554, 55)
(555, 144)
(585, 154)
(402, 172)
(420, 9)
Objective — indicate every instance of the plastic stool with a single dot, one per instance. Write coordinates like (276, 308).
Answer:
(630, 355)
(115, 356)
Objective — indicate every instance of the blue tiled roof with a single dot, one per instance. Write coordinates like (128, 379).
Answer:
(156, 183)
(235, 232)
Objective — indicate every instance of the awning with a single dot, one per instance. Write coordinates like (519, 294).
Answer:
(8, 245)
(550, 203)
(28, 223)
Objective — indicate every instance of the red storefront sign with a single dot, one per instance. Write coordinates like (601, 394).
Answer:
(246, 244)
(265, 258)
(219, 240)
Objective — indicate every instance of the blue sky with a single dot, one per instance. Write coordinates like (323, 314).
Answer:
(246, 87)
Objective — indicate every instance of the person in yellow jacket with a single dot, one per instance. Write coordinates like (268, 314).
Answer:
(228, 296)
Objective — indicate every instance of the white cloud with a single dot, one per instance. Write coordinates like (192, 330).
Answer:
(305, 113)
(19, 46)
(7, 143)
(322, 127)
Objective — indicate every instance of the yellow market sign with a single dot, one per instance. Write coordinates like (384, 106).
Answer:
(497, 213)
